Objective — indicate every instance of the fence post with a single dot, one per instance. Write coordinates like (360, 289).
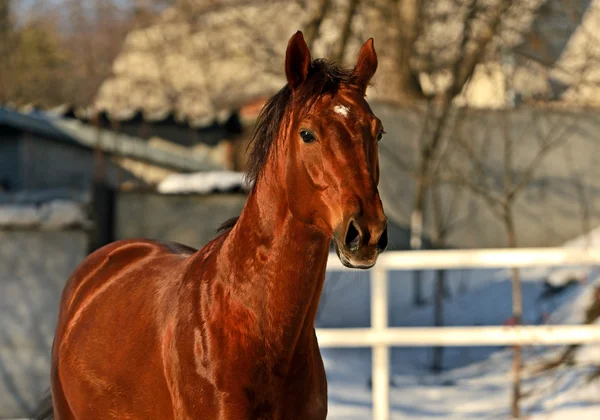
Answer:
(381, 355)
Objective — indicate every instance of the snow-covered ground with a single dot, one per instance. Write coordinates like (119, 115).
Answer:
(203, 182)
(54, 214)
(476, 382)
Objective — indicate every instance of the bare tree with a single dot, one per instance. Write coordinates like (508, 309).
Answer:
(446, 214)
(6, 33)
(567, 356)
(472, 49)
(582, 192)
(340, 48)
(408, 14)
(33, 66)
(500, 185)
(313, 26)
(445, 219)
(62, 51)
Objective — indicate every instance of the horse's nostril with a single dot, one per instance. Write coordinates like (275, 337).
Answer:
(382, 243)
(352, 240)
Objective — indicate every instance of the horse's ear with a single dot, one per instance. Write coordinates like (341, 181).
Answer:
(297, 60)
(366, 65)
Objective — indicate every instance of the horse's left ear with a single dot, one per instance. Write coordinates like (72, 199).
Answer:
(366, 65)
(297, 60)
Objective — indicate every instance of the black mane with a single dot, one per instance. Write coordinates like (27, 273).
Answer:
(324, 77)
(227, 224)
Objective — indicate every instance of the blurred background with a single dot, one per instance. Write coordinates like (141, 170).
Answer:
(125, 118)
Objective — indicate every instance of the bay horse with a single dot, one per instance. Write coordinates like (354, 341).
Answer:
(153, 330)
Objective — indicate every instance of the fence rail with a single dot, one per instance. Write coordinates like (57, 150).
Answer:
(460, 336)
(478, 258)
(380, 337)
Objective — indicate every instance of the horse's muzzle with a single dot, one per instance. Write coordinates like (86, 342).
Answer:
(359, 242)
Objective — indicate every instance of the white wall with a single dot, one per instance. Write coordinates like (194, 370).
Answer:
(34, 266)
(547, 214)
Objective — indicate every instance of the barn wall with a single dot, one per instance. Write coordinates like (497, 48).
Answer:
(187, 219)
(55, 164)
(34, 267)
(565, 185)
(10, 171)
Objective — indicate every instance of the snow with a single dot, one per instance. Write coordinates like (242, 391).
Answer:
(54, 214)
(58, 213)
(476, 382)
(203, 182)
(18, 215)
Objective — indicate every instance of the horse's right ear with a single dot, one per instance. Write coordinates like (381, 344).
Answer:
(297, 60)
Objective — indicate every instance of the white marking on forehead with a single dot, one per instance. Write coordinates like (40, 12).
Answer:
(342, 110)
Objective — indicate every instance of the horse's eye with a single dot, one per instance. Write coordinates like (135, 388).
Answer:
(307, 136)
(380, 135)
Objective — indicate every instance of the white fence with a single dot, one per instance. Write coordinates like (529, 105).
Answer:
(380, 337)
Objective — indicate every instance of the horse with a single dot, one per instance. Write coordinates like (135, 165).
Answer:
(156, 330)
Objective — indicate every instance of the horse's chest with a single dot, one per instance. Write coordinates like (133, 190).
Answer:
(301, 395)
(291, 403)
(260, 385)
(314, 408)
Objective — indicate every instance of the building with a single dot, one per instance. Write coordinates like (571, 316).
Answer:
(38, 151)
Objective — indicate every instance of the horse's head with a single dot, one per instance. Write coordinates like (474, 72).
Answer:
(325, 136)
(332, 166)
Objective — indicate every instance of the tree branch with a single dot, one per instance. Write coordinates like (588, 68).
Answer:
(527, 175)
(340, 47)
(311, 31)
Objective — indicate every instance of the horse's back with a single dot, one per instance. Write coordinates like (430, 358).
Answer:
(120, 291)
(120, 263)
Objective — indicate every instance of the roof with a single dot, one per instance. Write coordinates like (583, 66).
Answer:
(87, 114)
(80, 134)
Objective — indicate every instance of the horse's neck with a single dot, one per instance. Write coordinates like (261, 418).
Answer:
(278, 266)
